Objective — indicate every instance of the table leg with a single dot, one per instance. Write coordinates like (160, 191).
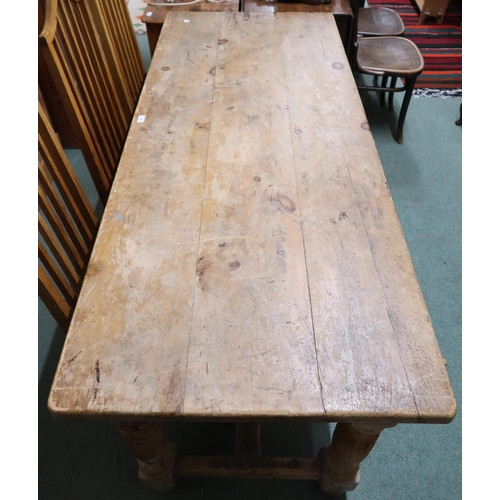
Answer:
(153, 31)
(340, 462)
(155, 456)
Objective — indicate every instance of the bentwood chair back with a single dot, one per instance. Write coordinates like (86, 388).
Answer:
(93, 58)
(379, 21)
(67, 226)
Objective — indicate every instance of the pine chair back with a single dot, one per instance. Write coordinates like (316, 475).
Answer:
(93, 57)
(67, 226)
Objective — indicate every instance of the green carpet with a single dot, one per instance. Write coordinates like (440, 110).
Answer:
(82, 460)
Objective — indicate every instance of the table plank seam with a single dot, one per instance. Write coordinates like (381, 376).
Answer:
(287, 90)
(380, 281)
(195, 283)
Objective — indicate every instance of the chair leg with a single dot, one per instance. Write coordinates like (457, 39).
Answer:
(410, 83)
(459, 121)
(394, 79)
(382, 94)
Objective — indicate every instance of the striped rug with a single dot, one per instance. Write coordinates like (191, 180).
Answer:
(440, 44)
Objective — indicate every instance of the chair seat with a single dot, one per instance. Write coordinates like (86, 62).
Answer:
(391, 56)
(379, 22)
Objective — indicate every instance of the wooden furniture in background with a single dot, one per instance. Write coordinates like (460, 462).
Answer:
(154, 15)
(432, 8)
(92, 56)
(67, 226)
(340, 9)
(393, 57)
(250, 265)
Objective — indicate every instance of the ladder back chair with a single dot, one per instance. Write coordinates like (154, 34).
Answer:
(393, 57)
(93, 57)
(67, 226)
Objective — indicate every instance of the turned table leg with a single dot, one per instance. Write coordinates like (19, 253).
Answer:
(340, 462)
(156, 457)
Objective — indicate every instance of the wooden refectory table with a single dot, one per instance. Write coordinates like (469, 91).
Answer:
(250, 264)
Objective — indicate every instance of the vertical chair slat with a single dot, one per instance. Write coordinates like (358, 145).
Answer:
(56, 275)
(121, 101)
(105, 87)
(75, 113)
(102, 153)
(95, 62)
(51, 239)
(100, 14)
(53, 299)
(76, 49)
(121, 36)
(61, 212)
(127, 33)
(67, 226)
(128, 52)
(66, 181)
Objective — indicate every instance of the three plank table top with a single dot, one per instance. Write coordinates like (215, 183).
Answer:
(250, 264)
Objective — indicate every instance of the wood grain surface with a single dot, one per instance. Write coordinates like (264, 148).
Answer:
(250, 263)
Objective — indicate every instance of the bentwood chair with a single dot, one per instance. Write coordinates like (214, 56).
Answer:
(379, 21)
(393, 57)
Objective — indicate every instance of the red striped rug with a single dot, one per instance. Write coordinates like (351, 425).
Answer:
(440, 44)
